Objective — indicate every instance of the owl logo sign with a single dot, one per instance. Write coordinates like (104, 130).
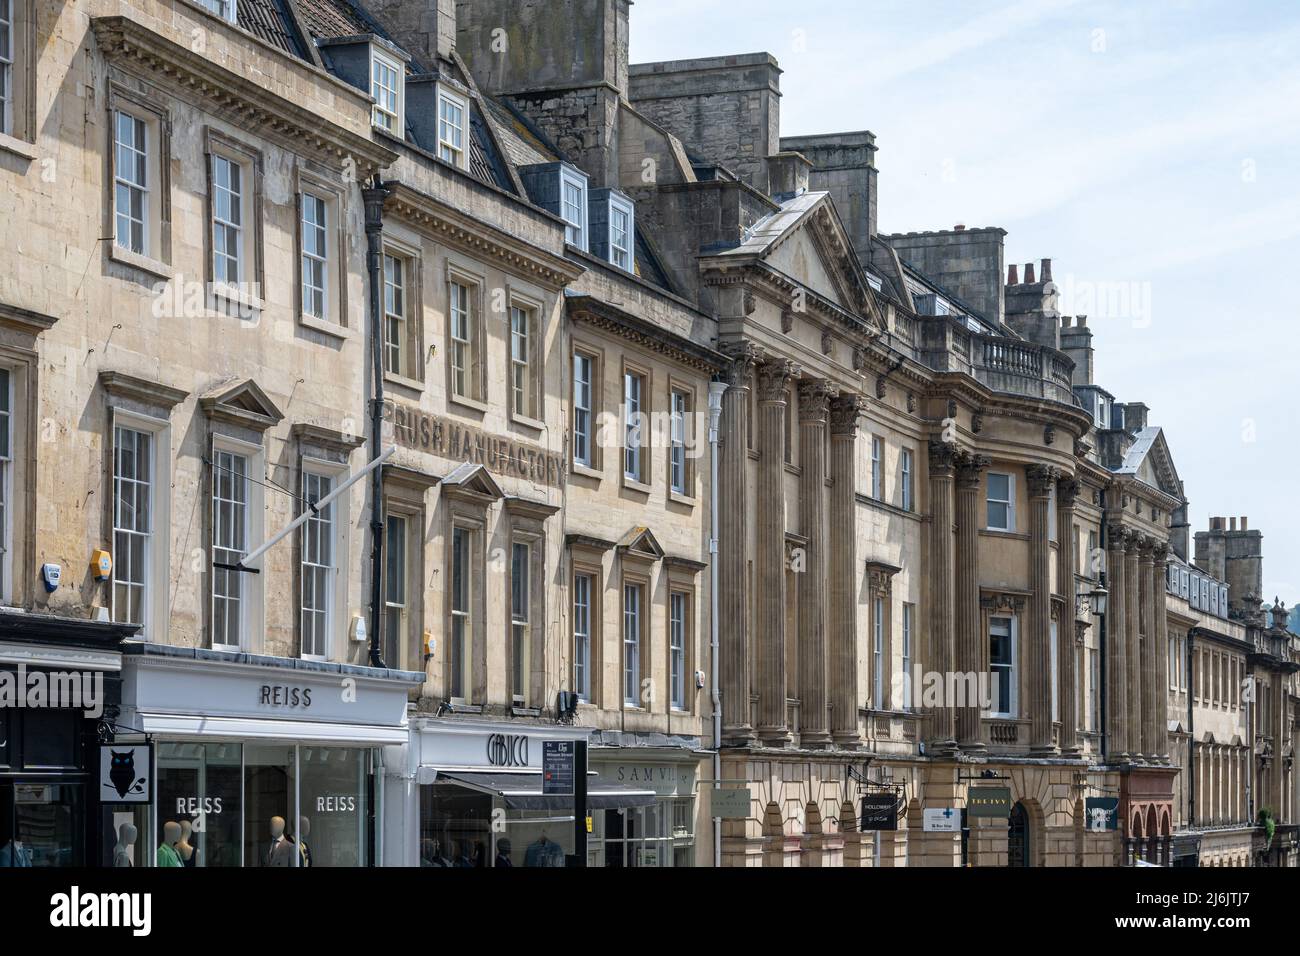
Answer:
(126, 773)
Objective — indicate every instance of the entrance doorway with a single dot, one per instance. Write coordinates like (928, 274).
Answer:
(1018, 836)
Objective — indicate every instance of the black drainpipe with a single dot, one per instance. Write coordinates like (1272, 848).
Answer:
(1102, 672)
(374, 196)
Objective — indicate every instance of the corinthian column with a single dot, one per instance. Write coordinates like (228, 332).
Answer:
(971, 644)
(733, 549)
(1067, 491)
(842, 571)
(1040, 480)
(1117, 749)
(1133, 642)
(942, 654)
(814, 403)
(773, 378)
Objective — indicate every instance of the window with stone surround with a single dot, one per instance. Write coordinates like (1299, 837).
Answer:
(6, 483)
(634, 418)
(141, 457)
(582, 617)
(679, 628)
(909, 622)
(234, 220)
(322, 277)
(226, 9)
(906, 469)
(319, 565)
(634, 613)
(877, 467)
(6, 66)
(466, 381)
(1001, 503)
(525, 359)
(1002, 665)
(18, 59)
(583, 417)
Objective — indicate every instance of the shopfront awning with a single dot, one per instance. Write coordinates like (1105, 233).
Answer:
(249, 728)
(523, 791)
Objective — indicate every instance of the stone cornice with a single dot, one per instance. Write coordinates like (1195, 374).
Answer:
(121, 385)
(527, 508)
(607, 318)
(455, 228)
(778, 288)
(25, 320)
(136, 48)
(326, 438)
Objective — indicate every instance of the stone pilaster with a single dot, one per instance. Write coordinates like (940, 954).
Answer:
(774, 378)
(733, 549)
(1133, 643)
(1159, 574)
(1117, 746)
(814, 404)
(842, 572)
(1040, 480)
(1067, 492)
(970, 640)
(941, 649)
(1152, 690)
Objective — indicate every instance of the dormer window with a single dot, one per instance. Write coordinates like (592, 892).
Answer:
(573, 206)
(226, 9)
(620, 232)
(452, 113)
(386, 88)
(613, 228)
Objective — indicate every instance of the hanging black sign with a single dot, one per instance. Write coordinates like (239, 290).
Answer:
(879, 811)
(126, 773)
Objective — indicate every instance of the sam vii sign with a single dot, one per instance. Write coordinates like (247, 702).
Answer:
(438, 435)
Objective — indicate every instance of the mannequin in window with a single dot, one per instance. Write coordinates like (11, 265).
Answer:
(14, 853)
(188, 853)
(126, 837)
(503, 854)
(304, 851)
(167, 854)
(281, 850)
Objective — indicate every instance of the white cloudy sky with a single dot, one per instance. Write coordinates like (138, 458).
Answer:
(1145, 145)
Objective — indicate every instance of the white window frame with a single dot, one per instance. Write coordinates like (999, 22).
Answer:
(335, 604)
(145, 165)
(1009, 501)
(633, 437)
(623, 256)
(632, 631)
(678, 628)
(582, 610)
(583, 408)
(462, 334)
(679, 401)
(575, 217)
(397, 592)
(1013, 640)
(157, 556)
(452, 148)
(7, 71)
(467, 596)
(522, 357)
(1053, 661)
(227, 10)
(521, 596)
(878, 653)
(906, 469)
(242, 229)
(385, 114)
(877, 468)
(397, 315)
(324, 257)
(909, 621)
(1094, 689)
(250, 585)
(1051, 513)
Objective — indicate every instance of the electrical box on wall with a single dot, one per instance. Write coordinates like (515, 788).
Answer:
(358, 629)
(50, 575)
(101, 565)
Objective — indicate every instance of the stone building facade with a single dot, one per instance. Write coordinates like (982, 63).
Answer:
(266, 242)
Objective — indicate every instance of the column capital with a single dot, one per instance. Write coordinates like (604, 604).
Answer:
(1040, 479)
(1160, 552)
(1147, 549)
(815, 395)
(1067, 491)
(744, 355)
(774, 377)
(1117, 537)
(943, 458)
(845, 410)
(968, 466)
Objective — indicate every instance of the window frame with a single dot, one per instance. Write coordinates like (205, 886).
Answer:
(397, 114)
(575, 233)
(251, 586)
(531, 308)
(908, 649)
(1009, 502)
(642, 476)
(460, 154)
(336, 608)
(632, 652)
(466, 595)
(246, 291)
(679, 643)
(679, 441)
(409, 371)
(582, 685)
(155, 257)
(8, 68)
(335, 319)
(18, 126)
(624, 205)
(1012, 665)
(878, 652)
(8, 394)
(906, 469)
(526, 534)
(877, 468)
(155, 576)
(475, 393)
(584, 436)
(228, 9)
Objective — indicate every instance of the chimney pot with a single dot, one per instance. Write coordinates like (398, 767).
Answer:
(1232, 524)
(1067, 321)
(1244, 524)
(1216, 524)
(1046, 270)
(960, 227)
(1013, 274)
(1083, 321)
(1029, 273)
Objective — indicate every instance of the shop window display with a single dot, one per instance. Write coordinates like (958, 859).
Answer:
(463, 828)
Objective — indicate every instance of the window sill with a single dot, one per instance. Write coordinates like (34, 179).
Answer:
(136, 260)
(631, 484)
(325, 327)
(392, 378)
(678, 498)
(464, 401)
(530, 423)
(586, 471)
(20, 148)
(246, 303)
(1005, 533)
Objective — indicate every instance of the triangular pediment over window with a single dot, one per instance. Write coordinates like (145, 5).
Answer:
(242, 403)
(640, 543)
(472, 481)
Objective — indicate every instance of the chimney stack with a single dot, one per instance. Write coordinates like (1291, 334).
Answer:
(1013, 274)
(1029, 273)
(1244, 525)
(1232, 524)
(1046, 271)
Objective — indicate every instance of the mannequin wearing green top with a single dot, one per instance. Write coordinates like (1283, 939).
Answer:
(167, 855)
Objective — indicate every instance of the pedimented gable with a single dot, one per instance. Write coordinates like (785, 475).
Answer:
(800, 259)
(1151, 462)
(242, 403)
(641, 543)
(473, 481)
